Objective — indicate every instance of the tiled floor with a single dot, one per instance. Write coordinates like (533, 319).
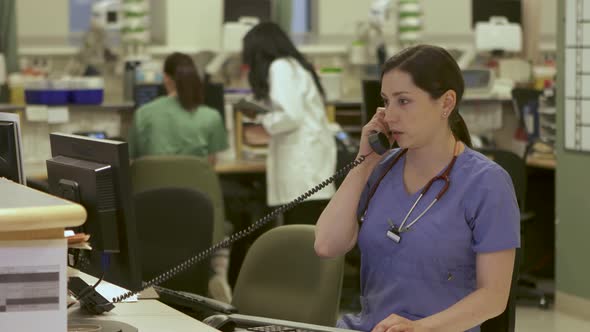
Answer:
(530, 319)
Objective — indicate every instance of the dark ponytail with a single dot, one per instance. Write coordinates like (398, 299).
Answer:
(189, 90)
(435, 71)
(459, 128)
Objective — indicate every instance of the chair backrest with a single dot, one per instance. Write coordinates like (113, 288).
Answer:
(515, 166)
(181, 171)
(174, 224)
(505, 322)
(283, 278)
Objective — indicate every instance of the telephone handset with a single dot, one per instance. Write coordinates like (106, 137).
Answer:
(379, 143)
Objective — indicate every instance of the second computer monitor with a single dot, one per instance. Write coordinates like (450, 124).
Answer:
(11, 166)
(481, 11)
(371, 98)
(214, 95)
(214, 98)
(95, 173)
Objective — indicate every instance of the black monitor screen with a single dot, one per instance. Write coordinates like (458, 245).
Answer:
(95, 173)
(214, 95)
(371, 99)
(214, 98)
(11, 166)
(482, 10)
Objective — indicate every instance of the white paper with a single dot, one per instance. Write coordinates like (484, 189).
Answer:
(57, 115)
(105, 288)
(33, 258)
(36, 113)
(110, 291)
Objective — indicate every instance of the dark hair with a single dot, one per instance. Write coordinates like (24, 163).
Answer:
(263, 44)
(435, 71)
(189, 90)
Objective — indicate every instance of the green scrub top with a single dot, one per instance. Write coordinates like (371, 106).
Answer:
(163, 127)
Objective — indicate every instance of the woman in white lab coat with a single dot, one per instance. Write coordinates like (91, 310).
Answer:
(302, 149)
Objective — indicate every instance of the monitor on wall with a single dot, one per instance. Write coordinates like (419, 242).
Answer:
(482, 10)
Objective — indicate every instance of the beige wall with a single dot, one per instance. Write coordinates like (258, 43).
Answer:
(180, 23)
(42, 18)
(191, 23)
(339, 16)
(186, 22)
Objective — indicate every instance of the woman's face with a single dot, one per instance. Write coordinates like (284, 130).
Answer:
(413, 116)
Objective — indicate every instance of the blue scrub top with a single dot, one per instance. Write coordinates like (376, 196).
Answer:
(433, 266)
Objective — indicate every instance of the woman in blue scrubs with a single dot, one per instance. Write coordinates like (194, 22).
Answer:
(431, 259)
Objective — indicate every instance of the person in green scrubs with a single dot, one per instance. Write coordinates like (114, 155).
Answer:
(178, 123)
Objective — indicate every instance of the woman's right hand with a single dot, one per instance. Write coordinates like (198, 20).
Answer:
(377, 124)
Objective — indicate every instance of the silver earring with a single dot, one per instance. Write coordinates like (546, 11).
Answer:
(445, 113)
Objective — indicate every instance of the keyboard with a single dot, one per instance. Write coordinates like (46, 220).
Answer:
(275, 328)
(263, 324)
(193, 301)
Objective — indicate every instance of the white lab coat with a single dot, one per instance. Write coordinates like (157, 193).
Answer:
(302, 149)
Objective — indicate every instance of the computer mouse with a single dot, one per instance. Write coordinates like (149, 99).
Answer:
(220, 322)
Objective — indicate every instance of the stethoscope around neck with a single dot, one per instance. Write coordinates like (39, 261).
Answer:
(444, 176)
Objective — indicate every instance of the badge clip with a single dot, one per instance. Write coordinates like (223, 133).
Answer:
(393, 233)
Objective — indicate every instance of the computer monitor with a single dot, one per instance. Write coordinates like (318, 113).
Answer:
(481, 11)
(214, 95)
(146, 92)
(11, 166)
(214, 98)
(95, 173)
(371, 99)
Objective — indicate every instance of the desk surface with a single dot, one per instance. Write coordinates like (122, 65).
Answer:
(38, 169)
(149, 315)
(145, 315)
(10, 107)
(541, 162)
(25, 209)
(240, 166)
(111, 106)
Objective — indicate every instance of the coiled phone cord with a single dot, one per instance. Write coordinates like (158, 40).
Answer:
(241, 234)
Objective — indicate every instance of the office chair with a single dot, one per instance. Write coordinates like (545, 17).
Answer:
(506, 320)
(181, 171)
(516, 168)
(283, 278)
(174, 224)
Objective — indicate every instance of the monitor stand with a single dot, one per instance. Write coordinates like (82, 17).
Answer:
(107, 325)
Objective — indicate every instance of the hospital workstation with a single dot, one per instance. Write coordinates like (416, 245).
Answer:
(106, 225)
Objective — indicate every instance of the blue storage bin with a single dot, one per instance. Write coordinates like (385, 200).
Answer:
(35, 91)
(32, 97)
(58, 97)
(88, 96)
(88, 91)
